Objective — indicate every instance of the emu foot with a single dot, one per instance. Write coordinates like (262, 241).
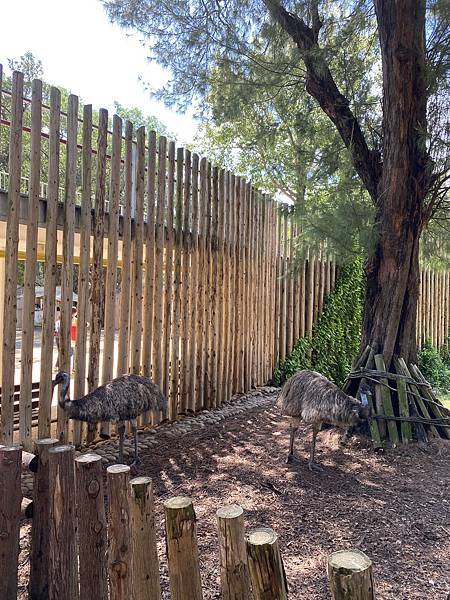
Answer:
(313, 467)
(291, 458)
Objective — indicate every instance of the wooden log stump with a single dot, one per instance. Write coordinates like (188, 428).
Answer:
(63, 563)
(91, 526)
(119, 533)
(40, 530)
(10, 501)
(350, 576)
(234, 576)
(145, 553)
(265, 565)
(182, 549)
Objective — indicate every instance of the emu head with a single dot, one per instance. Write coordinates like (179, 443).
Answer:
(62, 378)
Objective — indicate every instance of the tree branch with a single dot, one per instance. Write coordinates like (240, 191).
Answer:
(321, 86)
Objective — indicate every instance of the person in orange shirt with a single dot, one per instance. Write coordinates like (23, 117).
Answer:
(73, 335)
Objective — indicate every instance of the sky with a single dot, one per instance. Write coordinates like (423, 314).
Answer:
(83, 52)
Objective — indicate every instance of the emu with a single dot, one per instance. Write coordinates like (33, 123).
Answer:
(310, 397)
(122, 399)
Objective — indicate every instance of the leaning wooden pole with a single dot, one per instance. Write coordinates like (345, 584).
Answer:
(40, 531)
(91, 526)
(350, 576)
(182, 550)
(120, 565)
(265, 565)
(145, 554)
(10, 509)
(63, 564)
(234, 577)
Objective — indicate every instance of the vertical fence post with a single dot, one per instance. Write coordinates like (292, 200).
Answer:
(40, 529)
(48, 324)
(83, 269)
(234, 575)
(145, 554)
(26, 376)
(91, 526)
(120, 565)
(182, 550)
(350, 576)
(63, 565)
(97, 281)
(158, 311)
(10, 502)
(68, 242)
(265, 565)
(11, 254)
(111, 270)
(137, 256)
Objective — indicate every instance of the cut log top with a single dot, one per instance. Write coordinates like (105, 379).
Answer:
(347, 562)
(61, 449)
(114, 469)
(178, 502)
(262, 536)
(140, 487)
(230, 512)
(88, 458)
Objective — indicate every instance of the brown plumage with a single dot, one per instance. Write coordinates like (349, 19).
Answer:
(122, 399)
(310, 397)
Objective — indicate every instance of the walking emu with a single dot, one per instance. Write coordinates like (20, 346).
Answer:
(308, 396)
(122, 399)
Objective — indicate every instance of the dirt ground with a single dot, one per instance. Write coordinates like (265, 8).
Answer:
(394, 506)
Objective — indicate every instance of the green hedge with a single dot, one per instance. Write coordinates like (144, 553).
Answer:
(435, 366)
(336, 337)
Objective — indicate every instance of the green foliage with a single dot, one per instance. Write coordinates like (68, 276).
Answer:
(336, 338)
(435, 366)
(137, 117)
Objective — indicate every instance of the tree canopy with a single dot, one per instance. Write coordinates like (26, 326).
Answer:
(246, 66)
(393, 128)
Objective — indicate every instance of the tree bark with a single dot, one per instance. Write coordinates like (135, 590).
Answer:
(389, 324)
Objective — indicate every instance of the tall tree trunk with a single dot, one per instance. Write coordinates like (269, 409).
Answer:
(389, 324)
(399, 178)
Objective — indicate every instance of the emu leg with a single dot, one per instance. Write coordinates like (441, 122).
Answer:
(311, 465)
(121, 430)
(133, 423)
(291, 455)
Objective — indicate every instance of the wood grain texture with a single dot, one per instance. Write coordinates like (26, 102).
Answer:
(120, 542)
(26, 359)
(11, 254)
(63, 564)
(91, 526)
(40, 530)
(10, 503)
(182, 549)
(145, 554)
(234, 575)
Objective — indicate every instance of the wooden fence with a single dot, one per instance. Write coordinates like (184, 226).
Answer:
(199, 260)
(80, 550)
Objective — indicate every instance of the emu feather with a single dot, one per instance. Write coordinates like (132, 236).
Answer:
(122, 399)
(310, 397)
